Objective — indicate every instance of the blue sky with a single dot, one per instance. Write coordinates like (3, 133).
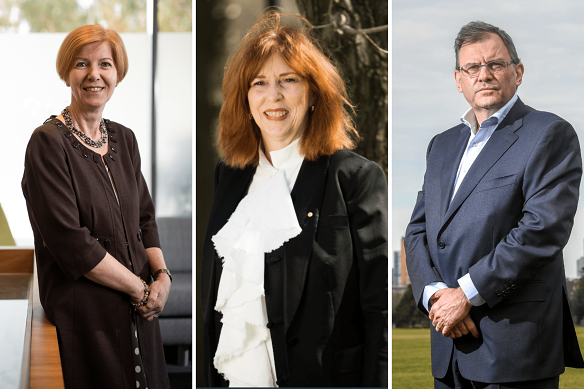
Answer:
(549, 37)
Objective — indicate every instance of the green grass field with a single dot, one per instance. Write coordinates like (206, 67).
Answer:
(411, 367)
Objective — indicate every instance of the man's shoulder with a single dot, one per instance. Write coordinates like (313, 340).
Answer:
(455, 131)
(535, 116)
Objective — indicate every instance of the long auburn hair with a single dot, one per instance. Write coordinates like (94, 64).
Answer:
(329, 128)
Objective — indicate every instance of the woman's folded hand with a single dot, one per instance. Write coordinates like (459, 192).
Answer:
(158, 294)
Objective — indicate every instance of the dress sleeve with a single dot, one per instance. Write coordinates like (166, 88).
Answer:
(147, 216)
(52, 206)
(367, 210)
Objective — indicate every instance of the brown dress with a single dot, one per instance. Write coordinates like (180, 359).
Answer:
(76, 218)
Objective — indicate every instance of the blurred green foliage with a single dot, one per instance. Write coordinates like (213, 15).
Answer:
(66, 15)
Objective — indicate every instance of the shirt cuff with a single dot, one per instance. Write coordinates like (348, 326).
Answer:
(429, 291)
(472, 294)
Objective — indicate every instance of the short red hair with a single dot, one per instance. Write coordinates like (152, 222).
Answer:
(84, 35)
(329, 127)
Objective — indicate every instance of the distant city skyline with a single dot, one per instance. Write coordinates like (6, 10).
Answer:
(549, 37)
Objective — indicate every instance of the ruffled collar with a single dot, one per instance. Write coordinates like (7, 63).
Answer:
(263, 221)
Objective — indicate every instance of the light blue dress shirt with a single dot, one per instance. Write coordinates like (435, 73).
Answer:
(477, 141)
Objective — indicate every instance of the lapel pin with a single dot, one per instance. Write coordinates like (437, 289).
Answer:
(310, 214)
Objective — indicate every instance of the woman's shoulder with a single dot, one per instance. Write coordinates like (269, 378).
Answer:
(52, 131)
(122, 135)
(119, 129)
(350, 162)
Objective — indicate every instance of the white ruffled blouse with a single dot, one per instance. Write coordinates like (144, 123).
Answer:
(262, 222)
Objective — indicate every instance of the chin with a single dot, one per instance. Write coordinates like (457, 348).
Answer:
(489, 103)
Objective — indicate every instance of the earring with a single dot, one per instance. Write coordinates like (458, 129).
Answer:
(312, 109)
(251, 116)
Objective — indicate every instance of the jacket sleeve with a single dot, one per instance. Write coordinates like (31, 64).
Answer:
(52, 206)
(367, 210)
(147, 215)
(550, 188)
(418, 260)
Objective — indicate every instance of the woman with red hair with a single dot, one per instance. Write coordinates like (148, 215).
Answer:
(294, 273)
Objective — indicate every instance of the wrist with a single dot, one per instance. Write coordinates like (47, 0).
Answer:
(140, 298)
(464, 297)
(163, 277)
(162, 273)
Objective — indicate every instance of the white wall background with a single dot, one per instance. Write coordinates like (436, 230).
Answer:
(31, 91)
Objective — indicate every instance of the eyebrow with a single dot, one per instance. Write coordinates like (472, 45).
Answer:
(87, 59)
(478, 63)
(279, 75)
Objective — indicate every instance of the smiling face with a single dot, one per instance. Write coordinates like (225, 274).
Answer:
(488, 92)
(93, 78)
(279, 101)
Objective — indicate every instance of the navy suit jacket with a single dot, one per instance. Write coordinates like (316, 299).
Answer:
(506, 226)
(334, 276)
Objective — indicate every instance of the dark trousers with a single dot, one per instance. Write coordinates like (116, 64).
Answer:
(455, 380)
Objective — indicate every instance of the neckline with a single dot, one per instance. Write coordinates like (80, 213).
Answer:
(82, 143)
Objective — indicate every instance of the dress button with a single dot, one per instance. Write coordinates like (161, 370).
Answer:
(292, 341)
(111, 156)
(112, 149)
(139, 234)
(441, 245)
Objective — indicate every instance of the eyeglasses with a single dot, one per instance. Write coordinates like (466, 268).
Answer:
(495, 67)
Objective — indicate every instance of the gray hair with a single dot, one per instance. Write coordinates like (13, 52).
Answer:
(476, 31)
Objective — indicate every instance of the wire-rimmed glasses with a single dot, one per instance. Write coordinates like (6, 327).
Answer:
(495, 67)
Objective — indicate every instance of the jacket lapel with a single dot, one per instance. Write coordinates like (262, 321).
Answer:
(307, 196)
(233, 184)
(452, 158)
(231, 190)
(503, 137)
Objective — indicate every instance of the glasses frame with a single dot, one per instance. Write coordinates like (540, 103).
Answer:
(460, 69)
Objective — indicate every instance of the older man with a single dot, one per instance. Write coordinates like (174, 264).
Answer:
(484, 244)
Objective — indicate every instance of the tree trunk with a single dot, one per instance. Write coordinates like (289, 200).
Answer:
(362, 60)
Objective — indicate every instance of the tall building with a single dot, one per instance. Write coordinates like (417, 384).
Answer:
(580, 267)
(395, 272)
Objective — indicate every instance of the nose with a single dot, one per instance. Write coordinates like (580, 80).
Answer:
(274, 91)
(484, 74)
(93, 73)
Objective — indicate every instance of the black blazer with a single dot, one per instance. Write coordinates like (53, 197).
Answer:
(326, 289)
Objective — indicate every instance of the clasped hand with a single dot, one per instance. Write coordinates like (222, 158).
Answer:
(158, 294)
(450, 313)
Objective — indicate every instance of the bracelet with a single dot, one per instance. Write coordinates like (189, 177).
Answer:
(162, 271)
(146, 295)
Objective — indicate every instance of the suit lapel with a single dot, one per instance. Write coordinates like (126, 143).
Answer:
(231, 190)
(452, 158)
(307, 196)
(503, 137)
(233, 184)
